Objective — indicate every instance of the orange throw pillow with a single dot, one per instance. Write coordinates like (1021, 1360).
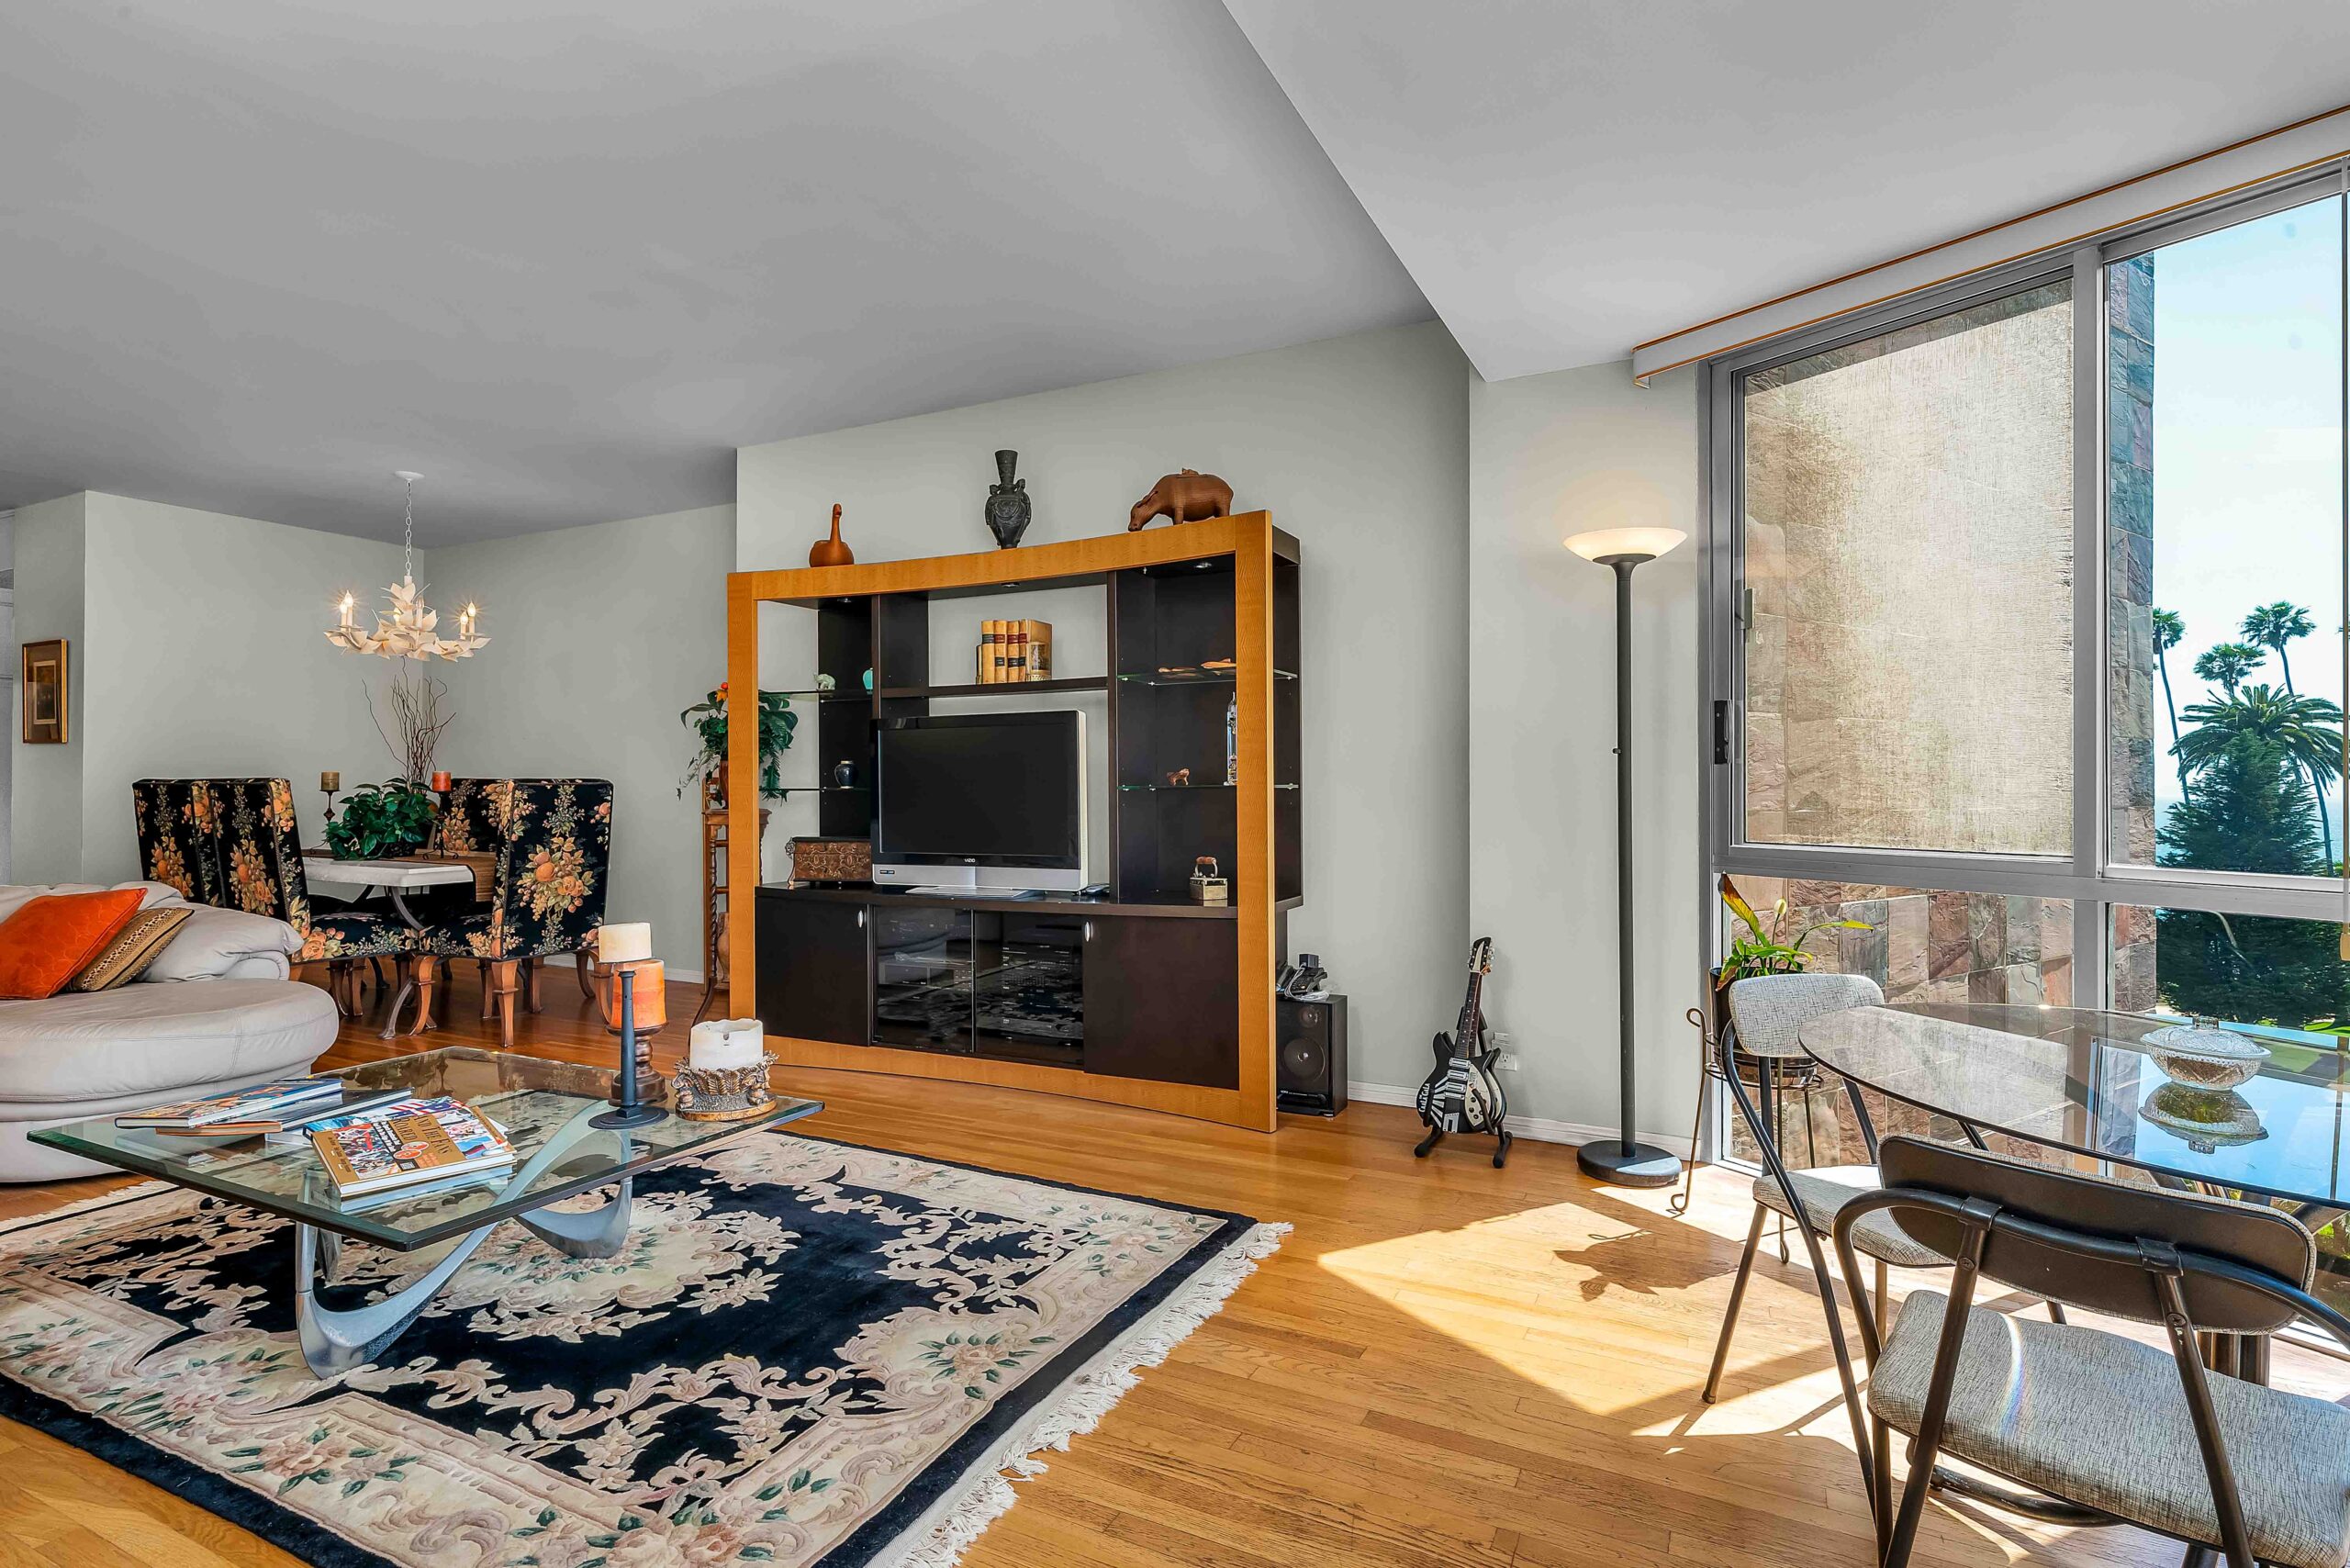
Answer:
(54, 938)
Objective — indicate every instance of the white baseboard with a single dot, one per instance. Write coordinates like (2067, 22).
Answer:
(1541, 1129)
(571, 961)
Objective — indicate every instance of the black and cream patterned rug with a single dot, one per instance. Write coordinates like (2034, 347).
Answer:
(808, 1352)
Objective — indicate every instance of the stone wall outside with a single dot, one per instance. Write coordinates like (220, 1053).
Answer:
(1909, 553)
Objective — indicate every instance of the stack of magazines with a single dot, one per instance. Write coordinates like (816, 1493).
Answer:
(280, 1109)
(407, 1142)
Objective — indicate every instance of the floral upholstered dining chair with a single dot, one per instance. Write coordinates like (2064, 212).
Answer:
(179, 837)
(473, 822)
(231, 843)
(553, 839)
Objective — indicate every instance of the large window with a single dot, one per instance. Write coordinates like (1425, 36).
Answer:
(2223, 359)
(2030, 592)
(1908, 547)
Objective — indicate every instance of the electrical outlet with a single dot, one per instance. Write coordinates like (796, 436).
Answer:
(1505, 1061)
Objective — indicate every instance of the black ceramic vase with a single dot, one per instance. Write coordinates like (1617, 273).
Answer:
(1007, 502)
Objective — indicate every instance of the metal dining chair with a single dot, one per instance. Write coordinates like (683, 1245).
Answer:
(2101, 1430)
(1766, 1015)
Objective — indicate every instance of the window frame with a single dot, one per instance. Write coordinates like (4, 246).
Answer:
(2085, 875)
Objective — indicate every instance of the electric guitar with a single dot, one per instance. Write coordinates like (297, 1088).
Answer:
(1462, 1095)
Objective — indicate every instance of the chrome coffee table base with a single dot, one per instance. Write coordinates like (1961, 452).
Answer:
(335, 1341)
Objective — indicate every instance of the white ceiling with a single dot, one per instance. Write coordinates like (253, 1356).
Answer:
(1565, 178)
(564, 257)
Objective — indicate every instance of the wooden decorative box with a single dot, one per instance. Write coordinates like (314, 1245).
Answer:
(832, 859)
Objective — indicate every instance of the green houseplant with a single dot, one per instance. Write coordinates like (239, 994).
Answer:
(1763, 947)
(393, 818)
(1765, 950)
(707, 719)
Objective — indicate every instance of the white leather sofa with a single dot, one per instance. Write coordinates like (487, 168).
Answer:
(215, 1011)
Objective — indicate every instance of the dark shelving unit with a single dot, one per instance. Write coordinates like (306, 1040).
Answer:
(1142, 996)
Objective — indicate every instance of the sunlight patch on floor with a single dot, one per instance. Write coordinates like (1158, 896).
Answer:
(1554, 1294)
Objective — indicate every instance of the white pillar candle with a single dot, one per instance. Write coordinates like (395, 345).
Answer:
(725, 1043)
(630, 943)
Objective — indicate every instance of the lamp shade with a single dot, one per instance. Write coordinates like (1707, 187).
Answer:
(1645, 542)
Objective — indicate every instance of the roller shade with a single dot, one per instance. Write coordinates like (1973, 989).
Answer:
(2289, 150)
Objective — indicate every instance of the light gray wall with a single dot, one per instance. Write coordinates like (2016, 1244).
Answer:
(1552, 455)
(45, 797)
(204, 656)
(1359, 447)
(599, 636)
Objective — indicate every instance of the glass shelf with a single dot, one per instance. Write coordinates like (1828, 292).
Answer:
(1191, 675)
(826, 788)
(1179, 788)
(833, 696)
(998, 688)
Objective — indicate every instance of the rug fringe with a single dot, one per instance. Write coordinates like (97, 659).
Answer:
(1085, 1399)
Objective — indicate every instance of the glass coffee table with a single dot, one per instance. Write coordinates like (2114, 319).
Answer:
(547, 1109)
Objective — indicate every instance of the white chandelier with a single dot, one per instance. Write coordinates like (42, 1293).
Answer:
(407, 632)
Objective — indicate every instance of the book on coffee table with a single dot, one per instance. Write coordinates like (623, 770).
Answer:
(299, 1122)
(465, 1182)
(420, 1140)
(292, 1126)
(262, 1102)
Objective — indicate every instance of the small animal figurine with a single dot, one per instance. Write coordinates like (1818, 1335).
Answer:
(1188, 496)
(831, 552)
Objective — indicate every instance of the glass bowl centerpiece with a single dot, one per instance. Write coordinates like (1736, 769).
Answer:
(2203, 1054)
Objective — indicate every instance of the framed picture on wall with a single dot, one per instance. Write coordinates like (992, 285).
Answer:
(44, 692)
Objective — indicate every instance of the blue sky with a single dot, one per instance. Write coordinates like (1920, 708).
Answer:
(2248, 444)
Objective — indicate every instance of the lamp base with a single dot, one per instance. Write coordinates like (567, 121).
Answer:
(1620, 1164)
(628, 1116)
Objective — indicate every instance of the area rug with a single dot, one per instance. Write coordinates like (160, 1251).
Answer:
(807, 1352)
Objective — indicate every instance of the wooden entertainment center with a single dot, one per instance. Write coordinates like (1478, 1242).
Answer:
(1140, 997)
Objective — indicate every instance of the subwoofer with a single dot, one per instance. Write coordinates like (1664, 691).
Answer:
(1310, 1073)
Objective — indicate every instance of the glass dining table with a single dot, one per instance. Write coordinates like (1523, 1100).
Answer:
(2095, 1084)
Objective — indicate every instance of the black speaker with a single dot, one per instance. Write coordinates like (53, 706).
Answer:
(1311, 1070)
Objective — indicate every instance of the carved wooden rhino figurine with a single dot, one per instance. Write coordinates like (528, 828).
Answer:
(1188, 496)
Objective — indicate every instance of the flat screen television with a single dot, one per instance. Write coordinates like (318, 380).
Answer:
(986, 802)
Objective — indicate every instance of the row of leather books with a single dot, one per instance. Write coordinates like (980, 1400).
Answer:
(1015, 651)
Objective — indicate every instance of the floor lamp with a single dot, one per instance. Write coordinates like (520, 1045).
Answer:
(1624, 1162)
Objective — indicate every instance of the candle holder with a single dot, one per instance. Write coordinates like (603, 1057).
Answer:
(629, 1110)
(441, 784)
(725, 1094)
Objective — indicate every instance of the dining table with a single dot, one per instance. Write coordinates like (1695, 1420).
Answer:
(2093, 1085)
(396, 876)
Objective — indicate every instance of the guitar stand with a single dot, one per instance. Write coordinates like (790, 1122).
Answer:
(1502, 1138)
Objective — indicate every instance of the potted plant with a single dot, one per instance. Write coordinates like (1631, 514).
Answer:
(707, 719)
(1762, 948)
(379, 820)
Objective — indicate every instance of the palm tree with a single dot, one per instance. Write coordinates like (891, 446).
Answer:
(2306, 731)
(2225, 665)
(2273, 626)
(2168, 630)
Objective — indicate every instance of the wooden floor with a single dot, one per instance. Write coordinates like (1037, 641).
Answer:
(1447, 1365)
